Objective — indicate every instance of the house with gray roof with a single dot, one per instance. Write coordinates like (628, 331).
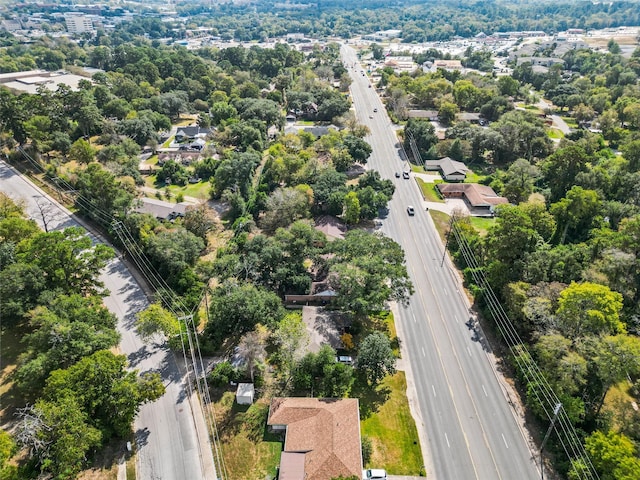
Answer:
(451, 170)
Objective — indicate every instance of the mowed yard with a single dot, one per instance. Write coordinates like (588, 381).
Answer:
(392, 431)
(251, 453)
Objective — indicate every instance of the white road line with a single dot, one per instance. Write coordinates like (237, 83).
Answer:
(423, 354)
(485, 391)
(505, 441)
(469, 350)
(447, 439)
(434, 390)
(414, 317)
(445, 292)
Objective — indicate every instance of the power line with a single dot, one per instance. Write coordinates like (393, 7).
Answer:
(544, 393)
(162, 290)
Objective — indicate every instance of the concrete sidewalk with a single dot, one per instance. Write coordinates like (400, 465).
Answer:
(403, 364)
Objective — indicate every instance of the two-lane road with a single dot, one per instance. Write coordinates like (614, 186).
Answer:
(171, 435)
(471, 430)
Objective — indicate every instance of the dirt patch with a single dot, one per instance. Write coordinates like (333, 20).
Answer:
(602, 42)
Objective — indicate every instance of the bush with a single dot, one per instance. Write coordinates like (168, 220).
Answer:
(347, 341)
(222, 374)
(367, 449)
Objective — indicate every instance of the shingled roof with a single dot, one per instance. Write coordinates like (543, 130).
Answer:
(477, 195)
(325, 430)
(447, 166)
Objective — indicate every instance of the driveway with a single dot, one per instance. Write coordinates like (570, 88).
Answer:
(323, 327)
(560, 124)
(450, 205)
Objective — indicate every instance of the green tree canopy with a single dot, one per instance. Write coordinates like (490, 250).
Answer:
(236, 308)
(69, 260)
(375, 357)
(367, 271)
(589, 309)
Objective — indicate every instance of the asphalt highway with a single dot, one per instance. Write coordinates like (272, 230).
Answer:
(472, 430)
(171, 436)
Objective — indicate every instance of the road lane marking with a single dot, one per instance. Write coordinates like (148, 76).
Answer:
(414, 317)
(469, 350)
(423, 354)
(447, 439)
(445, 292)
(434, 390)
(485, 391)
(505, 441)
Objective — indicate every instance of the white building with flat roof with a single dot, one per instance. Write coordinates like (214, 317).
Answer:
(79, 23)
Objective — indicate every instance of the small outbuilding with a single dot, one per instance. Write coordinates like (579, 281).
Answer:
(245, 393)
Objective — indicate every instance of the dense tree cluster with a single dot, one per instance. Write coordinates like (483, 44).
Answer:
(80, 394)
(436, 21)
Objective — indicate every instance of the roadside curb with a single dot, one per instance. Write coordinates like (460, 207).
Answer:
(412, 396)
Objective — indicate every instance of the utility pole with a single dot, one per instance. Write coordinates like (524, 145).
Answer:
(446, 243)
(556, 411)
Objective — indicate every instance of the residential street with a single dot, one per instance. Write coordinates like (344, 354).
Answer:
(171, 435)
(468, 426)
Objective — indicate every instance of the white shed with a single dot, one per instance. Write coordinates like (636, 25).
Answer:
(245, 393)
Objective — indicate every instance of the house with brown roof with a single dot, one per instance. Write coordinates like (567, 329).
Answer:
(321, 437)
(482, 200)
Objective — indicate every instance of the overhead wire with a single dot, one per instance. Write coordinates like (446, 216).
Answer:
(162, 290)
(542, 390)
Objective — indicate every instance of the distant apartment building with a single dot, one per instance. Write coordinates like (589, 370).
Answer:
(79, 23)
(383, 35)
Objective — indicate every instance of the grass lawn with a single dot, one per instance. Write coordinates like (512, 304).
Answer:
(441, 221)
(382, 322)
(391, 428)
(473, 177)
(186, 120)
(531, 108)
(570, 121)
(555, 133)
(198, 190)
(417, 168)
(482, 224)
(429, 191)
(248, 455)
(150, 181)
